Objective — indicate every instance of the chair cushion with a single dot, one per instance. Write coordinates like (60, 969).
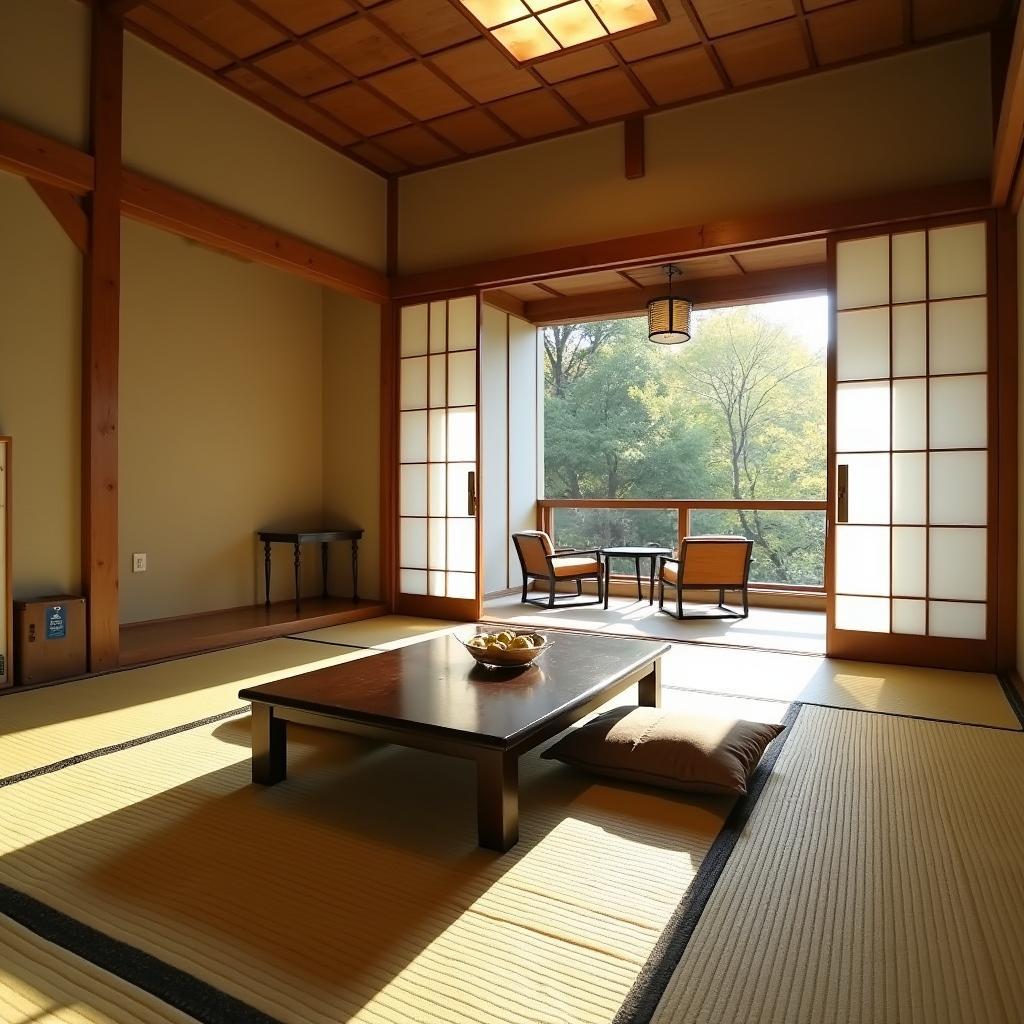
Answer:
(571, 565)
(670, 572)
(668, 749)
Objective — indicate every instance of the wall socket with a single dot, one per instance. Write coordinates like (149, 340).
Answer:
(139, 562)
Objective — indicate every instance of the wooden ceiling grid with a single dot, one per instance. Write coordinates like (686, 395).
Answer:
(788, 256)
(402, 85)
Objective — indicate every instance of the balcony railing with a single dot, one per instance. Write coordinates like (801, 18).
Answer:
(788, 535)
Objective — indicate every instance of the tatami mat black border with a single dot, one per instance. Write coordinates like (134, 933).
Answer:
(113, 748)
(173, 986)
(654, 976)
(1013, 697)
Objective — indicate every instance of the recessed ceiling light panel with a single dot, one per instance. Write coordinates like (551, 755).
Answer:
(530, 30)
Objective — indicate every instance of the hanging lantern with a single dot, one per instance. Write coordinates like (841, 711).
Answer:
(668, 316)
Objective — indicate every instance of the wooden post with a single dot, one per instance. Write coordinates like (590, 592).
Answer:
(636, 149)
(101, 301)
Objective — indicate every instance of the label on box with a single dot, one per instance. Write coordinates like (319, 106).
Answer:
(56, 622)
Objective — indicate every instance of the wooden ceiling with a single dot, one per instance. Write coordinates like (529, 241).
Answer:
(720, 279)
(402, 85)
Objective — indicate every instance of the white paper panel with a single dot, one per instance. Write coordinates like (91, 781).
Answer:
(525, 420)
(862, 417)
(862, 560)
(910, 488)
(867, 614)
(956, 564)
(862, 344)
(909, 561)
(965, 621)
(438, 381)
(909, 341)
(458, 488)
(958, 336)
(462, 378)
(414, 383)
(413, 490)
(462, 330)
(862, 272)
(494, 442)
(413, 540)
(413, 330)
(412, 581)
(462, 545)
(958, 493)
(910, 414)
(868, 487)
(438, 583)
(462, 584)
(908, 267)
(412, 434)
(438, 326)
(461, 435)
(958, 412)
(438, 435)
(908, 617)
(438, 479)
(438, 544)
(956, 261)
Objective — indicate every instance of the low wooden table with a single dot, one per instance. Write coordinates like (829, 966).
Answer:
(299, 537)
(433, 696)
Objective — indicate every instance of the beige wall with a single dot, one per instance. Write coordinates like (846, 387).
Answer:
(351, 435)
(220, 428)
(40, 388)
(184, 129)
(44, 67)
(916, 119)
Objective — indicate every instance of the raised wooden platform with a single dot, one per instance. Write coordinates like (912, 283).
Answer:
(169, 638)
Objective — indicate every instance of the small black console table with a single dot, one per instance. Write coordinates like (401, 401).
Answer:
(299, 537)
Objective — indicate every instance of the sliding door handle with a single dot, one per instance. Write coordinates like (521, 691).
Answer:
(471, 493)
(843, 494)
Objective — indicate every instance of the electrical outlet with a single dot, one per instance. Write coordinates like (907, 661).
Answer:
(139, 562)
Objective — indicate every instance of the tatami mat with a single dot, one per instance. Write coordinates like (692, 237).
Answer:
(41, 726)
(386, 632)
(878, 881)
(43, 984)
(355, 890)
(972, 697)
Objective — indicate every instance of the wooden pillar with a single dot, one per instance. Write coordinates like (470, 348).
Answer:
(101, 301)
(635, 147)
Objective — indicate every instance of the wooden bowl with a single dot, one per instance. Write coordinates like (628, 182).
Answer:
(518, 658)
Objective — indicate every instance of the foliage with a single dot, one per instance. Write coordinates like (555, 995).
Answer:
(739, 412)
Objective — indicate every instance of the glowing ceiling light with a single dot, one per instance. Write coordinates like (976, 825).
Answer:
(532, 29)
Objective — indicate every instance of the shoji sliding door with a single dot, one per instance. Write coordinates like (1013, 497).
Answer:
(912, 487)
(438, 536)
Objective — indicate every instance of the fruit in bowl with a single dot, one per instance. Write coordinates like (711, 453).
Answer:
(506, 649)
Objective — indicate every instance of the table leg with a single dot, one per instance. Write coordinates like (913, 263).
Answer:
(650, 596)
(298, 573)
(497, 800)
(607, 579)
(323, 566)
(649, 688)
(355, 571)
(269, 746)
(639, 588)
(266, 573)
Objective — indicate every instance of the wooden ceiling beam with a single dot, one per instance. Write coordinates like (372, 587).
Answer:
(506, 303)
(700, 239)
(66, 210)
(39, 158)
(151, 202)
(704, 292)
(1010, 126)
(635, 144)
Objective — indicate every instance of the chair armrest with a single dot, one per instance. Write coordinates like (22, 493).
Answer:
(561, 552)
(663, 560)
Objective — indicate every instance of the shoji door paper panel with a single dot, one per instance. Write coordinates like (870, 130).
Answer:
(911, 432)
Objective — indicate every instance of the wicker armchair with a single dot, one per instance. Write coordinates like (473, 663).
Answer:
(707, 563)
(540, 560)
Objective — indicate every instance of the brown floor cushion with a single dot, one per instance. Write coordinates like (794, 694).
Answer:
(668, 748)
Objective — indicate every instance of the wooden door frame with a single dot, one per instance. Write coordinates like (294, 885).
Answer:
(425, 605)
(990, 654)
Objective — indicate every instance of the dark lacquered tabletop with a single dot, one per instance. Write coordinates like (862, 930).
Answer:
(437, 686)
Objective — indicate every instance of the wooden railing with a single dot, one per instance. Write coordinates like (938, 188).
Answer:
(684, 508)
